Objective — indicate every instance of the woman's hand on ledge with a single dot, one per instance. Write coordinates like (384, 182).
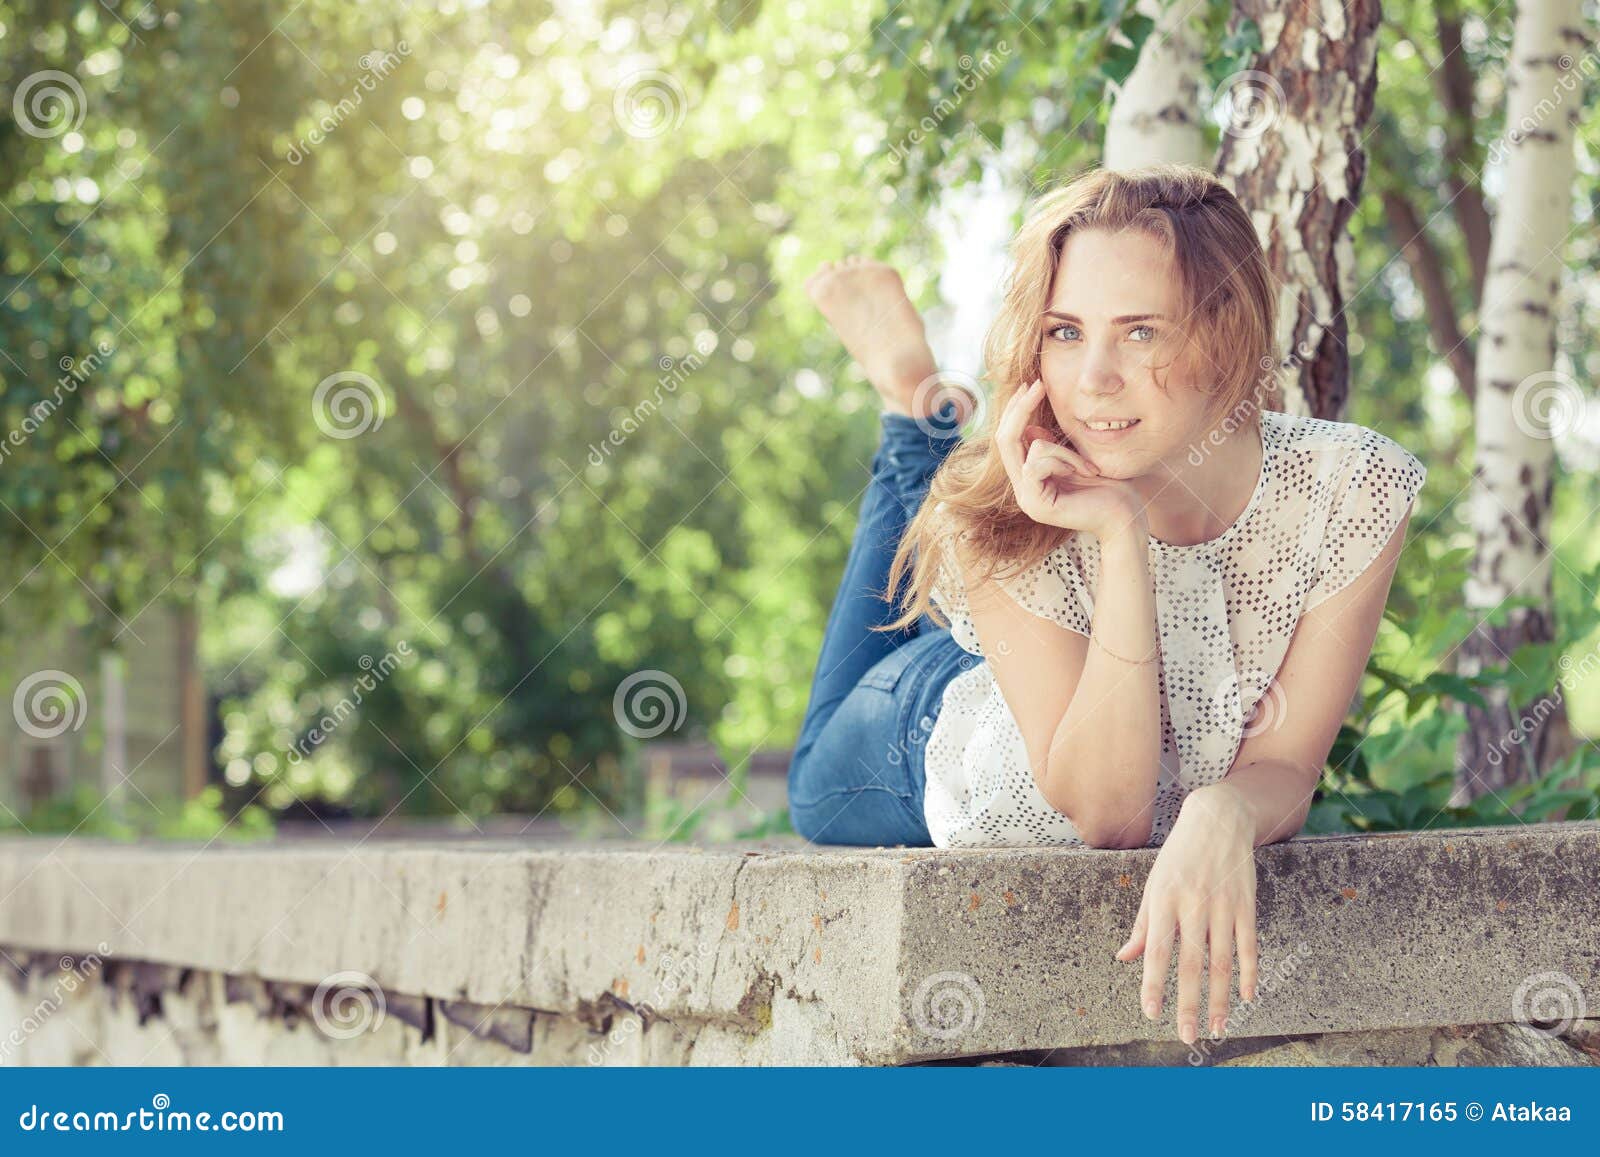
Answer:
(1202, 889)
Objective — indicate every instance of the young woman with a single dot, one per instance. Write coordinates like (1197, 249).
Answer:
(1135, 608)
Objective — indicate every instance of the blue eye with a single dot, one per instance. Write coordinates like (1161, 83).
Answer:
(1151, 330)
(1057, 329)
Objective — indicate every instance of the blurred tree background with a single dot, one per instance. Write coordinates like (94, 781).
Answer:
(477, 327)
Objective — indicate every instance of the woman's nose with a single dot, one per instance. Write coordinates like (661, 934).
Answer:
(1100, 374)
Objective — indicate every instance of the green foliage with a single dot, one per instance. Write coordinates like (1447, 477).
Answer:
(608, 434)
(1392, 769)
(87, 812)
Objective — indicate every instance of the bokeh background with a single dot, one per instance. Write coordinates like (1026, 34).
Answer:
(414, 412)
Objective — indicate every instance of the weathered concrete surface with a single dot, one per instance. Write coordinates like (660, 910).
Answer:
(500, 952)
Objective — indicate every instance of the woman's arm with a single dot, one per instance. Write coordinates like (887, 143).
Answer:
(1062, 690)
(1059, 685)
(1202, 888)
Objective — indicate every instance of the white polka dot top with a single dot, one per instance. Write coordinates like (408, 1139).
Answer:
(1329, 497)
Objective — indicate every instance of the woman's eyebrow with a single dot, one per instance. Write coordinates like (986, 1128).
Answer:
(1127, 317)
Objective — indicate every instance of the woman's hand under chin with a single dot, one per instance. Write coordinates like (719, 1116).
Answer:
(1054, 484)
(1202, 889)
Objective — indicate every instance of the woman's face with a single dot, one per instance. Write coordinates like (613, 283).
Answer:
(1111, 322)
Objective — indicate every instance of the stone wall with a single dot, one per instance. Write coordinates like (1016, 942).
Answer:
(1462, 947)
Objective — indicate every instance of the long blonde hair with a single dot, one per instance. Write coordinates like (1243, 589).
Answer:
(1227, 299)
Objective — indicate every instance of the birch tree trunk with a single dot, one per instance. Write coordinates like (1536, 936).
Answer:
(1156, 115)
(1292, 153)
(1521, 401)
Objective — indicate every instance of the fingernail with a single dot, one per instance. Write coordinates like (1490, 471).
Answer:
(1150, 1009)
(1187, 1032)
(1216, 1029)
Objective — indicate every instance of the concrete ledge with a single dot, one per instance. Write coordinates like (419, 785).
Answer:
(789, 954)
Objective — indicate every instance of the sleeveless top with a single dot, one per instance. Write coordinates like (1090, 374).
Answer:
(1328, 499)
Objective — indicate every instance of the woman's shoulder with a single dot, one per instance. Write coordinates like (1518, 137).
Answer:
(1347, 451)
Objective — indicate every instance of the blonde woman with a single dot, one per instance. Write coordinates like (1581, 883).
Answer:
(1134, 608)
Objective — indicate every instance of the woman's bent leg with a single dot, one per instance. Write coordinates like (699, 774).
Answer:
(849, 778)
(863, 780)
(905, 461)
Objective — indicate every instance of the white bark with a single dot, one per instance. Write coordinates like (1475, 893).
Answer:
(1291, 151)
(1513, 475)
(1156, 115)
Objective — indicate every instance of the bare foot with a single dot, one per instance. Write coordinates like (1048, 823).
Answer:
(866, 304)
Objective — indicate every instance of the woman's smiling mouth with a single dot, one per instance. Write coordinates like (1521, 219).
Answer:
(1108, 428)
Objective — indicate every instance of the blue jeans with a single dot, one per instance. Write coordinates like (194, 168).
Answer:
(857, 775)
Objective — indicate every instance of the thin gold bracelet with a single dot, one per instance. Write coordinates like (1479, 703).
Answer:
(1095, 639)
